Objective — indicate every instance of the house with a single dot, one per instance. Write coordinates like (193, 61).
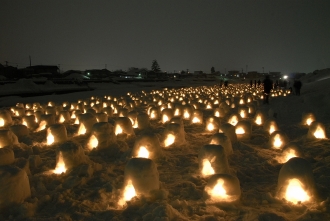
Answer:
(98, 73)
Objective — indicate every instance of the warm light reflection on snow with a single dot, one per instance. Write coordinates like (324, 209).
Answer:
(129, 193)
(286, 156)
(233, 120)
(143, 152)
(207, 168)
(60, 166)
(93, 142)
(242, 113)
(319, 133)
(295, 193)
(217, 114)
(170, 138)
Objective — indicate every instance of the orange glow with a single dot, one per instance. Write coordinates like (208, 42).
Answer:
(165, 118)
(242, 113)
(152, 115)
(118, 130)
(287, 155)
(295, 193)
(62, 119)
(271, 129)
(210, 127)
(170, 138)
(129, 193)
(309, 121)
(319, 133)
(258, 120)
(73, 115)
(277, 141)
(218, 193)
(93, 142)
(196, 120)
(60, 166)
(233, 120)
(217, 114)
(42, 126)
(207, 168)
(240, 130)
(82, 129)
(186, 115)
(2, 122)
(50, 138)
(143, 152)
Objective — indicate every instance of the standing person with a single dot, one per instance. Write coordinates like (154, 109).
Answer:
(250, 83)
(297, 86)
(268, 86)
(255, 83)
(259, 82)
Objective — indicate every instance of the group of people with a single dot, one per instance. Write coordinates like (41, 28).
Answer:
(268, 86)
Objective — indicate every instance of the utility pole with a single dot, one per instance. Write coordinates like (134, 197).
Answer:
(30, 60)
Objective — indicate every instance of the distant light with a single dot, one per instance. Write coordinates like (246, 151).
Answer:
(285, 76)
(88, 73)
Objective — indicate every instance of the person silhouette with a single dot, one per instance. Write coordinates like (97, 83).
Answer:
(268, 86)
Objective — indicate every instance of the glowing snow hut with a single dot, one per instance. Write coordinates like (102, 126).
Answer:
(222, 188)
(243, 129)
(229, 131)
(316, 131)
(147, 146)
(278, 140)
(102, 136)
(142, 173)
(223, 140)
(14, 186)
(7, 138)
(56, 133)
(212, 160)
(296, 182)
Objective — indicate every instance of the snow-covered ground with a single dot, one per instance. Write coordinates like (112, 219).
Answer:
(93, 188)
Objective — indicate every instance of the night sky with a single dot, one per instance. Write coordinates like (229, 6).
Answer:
(279, 35)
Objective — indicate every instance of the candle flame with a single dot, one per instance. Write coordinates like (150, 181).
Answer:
(186, 115)
(309, 121)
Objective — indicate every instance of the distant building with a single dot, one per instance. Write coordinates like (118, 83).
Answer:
(233, 74)
(97, 73)
(275, 74)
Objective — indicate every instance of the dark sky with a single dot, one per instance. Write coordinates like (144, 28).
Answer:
(279, 35)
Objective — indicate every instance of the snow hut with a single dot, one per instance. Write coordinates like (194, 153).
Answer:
(147, 146)
(296, 181)
(143, 175)
(222, 188)
(212, 159)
